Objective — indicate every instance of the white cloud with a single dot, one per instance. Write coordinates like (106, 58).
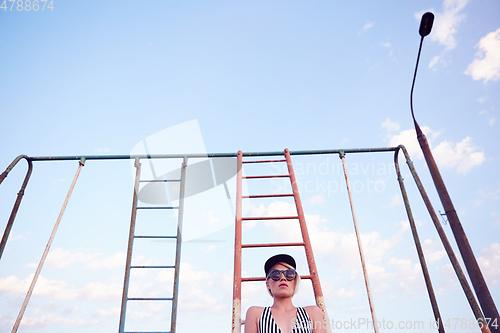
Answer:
(390, 125)
(209, 248)
(107, 313)
(445, 26)
(433, 251)
(495, 217)
(337, 244)
(332, 291)
(58, 289)
(102, 291)
(434, 61)
(101, 150)
(63, 259)
(317, 199)
(492, 121)
(488, 261)
(24, 236)
(446, 23)
(408, 138)
(462, 155)
(368, 25)
(51, 319)
(148, 311)
(408, 274)
(486, 65)
(199, 300)
(388, 46)
(396, 200)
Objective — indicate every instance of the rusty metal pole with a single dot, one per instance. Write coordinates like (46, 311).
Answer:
(447, 246)
(360, 248)
(180, 218)
(133, 217)
(237, 249)
(46, 251)
(483, 294)
(420, 252)
(20, 195)
(320, 300)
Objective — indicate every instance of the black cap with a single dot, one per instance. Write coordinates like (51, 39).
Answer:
(279, 258)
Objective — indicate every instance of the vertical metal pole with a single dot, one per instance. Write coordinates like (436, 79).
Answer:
(237, 249)
(453, 259)
(47, 248)
(13, 214)
(175, 297)
(130, 245)
(360, 248)
(318, 293)
(428, 283)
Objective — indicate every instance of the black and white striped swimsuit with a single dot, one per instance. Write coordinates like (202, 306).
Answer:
(267, 324)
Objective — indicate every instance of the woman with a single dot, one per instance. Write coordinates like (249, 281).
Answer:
(282, 281)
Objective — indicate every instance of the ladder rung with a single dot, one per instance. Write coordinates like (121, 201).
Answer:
(160, 180)
(157, 207)
(253, 279)
(152, 266)
(269, 218)
(264, 161)
(268, 195)
(150, 299)
(272, 176)
(155, 236)
(272, 245)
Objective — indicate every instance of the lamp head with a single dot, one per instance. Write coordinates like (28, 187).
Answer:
(426, 24)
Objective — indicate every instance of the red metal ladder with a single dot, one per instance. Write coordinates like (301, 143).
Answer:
(238, 246)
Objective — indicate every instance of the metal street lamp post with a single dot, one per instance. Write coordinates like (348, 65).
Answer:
(485, 300)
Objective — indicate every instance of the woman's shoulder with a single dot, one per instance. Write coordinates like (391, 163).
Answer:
(314, 312)
(255, 310)
(253, 315)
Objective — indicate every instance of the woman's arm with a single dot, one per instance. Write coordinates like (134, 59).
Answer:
(252, 319)
(316, 316)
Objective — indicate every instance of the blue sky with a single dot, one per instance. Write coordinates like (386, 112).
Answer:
(101, 77)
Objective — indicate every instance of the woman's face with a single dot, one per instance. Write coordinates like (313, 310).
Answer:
(282, 287)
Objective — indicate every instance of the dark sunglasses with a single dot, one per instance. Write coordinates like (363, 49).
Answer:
(275, 274)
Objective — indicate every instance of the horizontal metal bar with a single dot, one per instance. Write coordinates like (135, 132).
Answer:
(264, 161)
(146, 332)
(157, 207)
(254, 279)
(160, 180)
(272, 245)
(152, 266)
(209, 155)
(268, 195)
(155, 237)
(273, 176)
(269, 218)
(150, 299)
